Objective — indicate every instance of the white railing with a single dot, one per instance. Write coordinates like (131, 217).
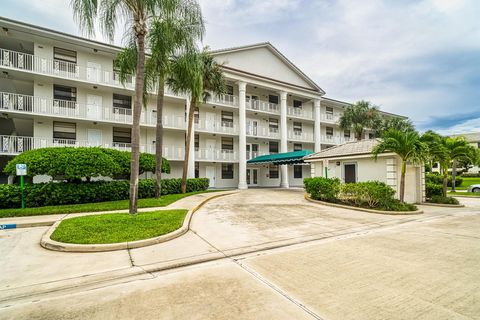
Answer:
(331, 118)
(300, 113)
(254, 154)
(216, 126)
(173, 153)
(263, 106)
(260, 131)
(226, 99)
(330, 139)
(204, 154)
(300, 136)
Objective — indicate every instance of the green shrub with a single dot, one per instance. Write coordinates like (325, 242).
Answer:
(73, 164)
(373, 194)
(433, 189)
(57, 193)
(397, 205)
(322, 188)
(443, 200)
(438, 179)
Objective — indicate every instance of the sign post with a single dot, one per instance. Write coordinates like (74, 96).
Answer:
(21, 171)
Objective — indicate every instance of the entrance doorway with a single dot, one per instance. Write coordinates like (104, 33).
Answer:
(252, 177)
(211, 175)
(350, 173)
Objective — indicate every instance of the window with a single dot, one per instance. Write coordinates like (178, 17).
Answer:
(196, 140)
(297, 172)
(273, 171)
(297, 128)
(227, 144)
(272, 99)
(64, 55)
(371, 136)
(297, 147)
(122, 135)
(346, 134)
(196, 115)
(227, 170)
(64, 93)
(273, 125)
(229, 89)
(121, 101)
(273, 147)
(227, 119)
(329, 131)
(329, 110)
(197, 170)
(64, 130)
(297, 103)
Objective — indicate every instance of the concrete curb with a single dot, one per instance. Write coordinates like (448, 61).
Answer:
(50, 244)
(445, 205)
(391, 213)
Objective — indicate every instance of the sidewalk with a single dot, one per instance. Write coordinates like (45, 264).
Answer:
(48, 220)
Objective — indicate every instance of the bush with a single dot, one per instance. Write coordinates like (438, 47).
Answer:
(68, 163)
(57, 193)
(433, 189)
(443, 200)
(322, 188)
(438, 179)
(373, 194)
(397, 205)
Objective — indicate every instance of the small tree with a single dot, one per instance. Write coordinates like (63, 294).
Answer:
(358, 117)
(407, 145)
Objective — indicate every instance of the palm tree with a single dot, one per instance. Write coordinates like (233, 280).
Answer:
(138, 14)
(359, 116)
(407, 145)
(198, 75)
(383, 124)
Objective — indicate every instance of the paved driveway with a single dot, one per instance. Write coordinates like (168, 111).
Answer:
(283, 258)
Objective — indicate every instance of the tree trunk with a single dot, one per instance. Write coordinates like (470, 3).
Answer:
(445, 180)
(359, 135)
(137, 111)
(191, 113)
(159, 137)
(402, 180)
(454, 174)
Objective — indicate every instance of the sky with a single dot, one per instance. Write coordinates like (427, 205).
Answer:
(420, 59)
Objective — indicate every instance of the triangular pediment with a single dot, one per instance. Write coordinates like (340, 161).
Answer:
(266, 61)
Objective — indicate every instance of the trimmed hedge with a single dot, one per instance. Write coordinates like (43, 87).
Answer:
(69, 163)
(321, 188)
(433, 189)
(57, 193)
(443, 200)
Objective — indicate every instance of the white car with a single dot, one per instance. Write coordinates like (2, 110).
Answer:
(474, 188)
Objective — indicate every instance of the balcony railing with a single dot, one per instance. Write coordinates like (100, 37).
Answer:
(216, 126)
(300, 136)
(300, 113)
(263, 106)
(260, 131)
(204, 154)
(226, 99)
(330, 118)
(330, 139)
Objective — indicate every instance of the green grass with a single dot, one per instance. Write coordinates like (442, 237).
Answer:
(463, 194)
(96, 207)
(118, 227)
(468, 181)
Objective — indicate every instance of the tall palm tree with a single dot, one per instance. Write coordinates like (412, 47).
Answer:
(138, 14)
(407, 145)
(383, 124)
(358, 117)
(170, 34)
(197, 74)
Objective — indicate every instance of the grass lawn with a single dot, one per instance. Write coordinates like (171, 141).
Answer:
(467, 181)
(118, 227)
(463, 194)
(95, 207)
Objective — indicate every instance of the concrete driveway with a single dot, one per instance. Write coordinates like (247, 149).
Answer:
(278, 256)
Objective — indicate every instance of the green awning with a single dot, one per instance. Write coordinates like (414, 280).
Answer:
(293, 157)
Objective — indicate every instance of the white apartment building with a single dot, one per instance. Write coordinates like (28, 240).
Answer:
(62, 90)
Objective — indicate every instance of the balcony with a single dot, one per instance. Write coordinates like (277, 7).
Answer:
(299, 113)
(224, 127)
(262, 132)
(330, 118)
(225, 99)
(300, 136)
(203, 154)
(330, 139)
(263, 106)
(254, 154)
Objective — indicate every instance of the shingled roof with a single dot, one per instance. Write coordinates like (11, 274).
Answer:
(346, 149)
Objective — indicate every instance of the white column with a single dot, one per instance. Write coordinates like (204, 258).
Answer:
(283, 138)
(191, 160)
(242, 138)
(317, 129)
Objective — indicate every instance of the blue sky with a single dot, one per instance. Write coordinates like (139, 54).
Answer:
(416, 58)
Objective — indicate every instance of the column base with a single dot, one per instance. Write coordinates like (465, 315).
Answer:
(284, 185)
(242, 186)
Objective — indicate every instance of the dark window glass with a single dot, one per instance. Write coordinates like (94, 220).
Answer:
(227, 143)
(196, 115)
(197, 141)
(329, 110)
(121, 101)
(273, 171)
(229, 89)
(346, 133)
(122, 135)
(273, 147)
(64, 130)
(227, 171)
(329, 131)
(297, 103)
(273, 125)
(197, 170)
(64, 55)
(297, 172)
(64, 93)
(272, 99)
(297, 147)
(227, 119)
(297, 127)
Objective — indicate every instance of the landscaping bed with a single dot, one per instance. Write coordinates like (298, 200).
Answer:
(118, 227)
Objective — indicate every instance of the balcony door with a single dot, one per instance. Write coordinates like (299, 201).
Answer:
(210, 173)
(210, 121)
(94, 137)
(252, 150)
(210, 145)
(94, 71)
(94, 105)
(252, 177)
(252, 127)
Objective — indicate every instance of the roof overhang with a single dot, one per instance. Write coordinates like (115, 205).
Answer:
(294, 157)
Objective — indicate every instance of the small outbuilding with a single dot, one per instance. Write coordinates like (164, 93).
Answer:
(354, 162)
